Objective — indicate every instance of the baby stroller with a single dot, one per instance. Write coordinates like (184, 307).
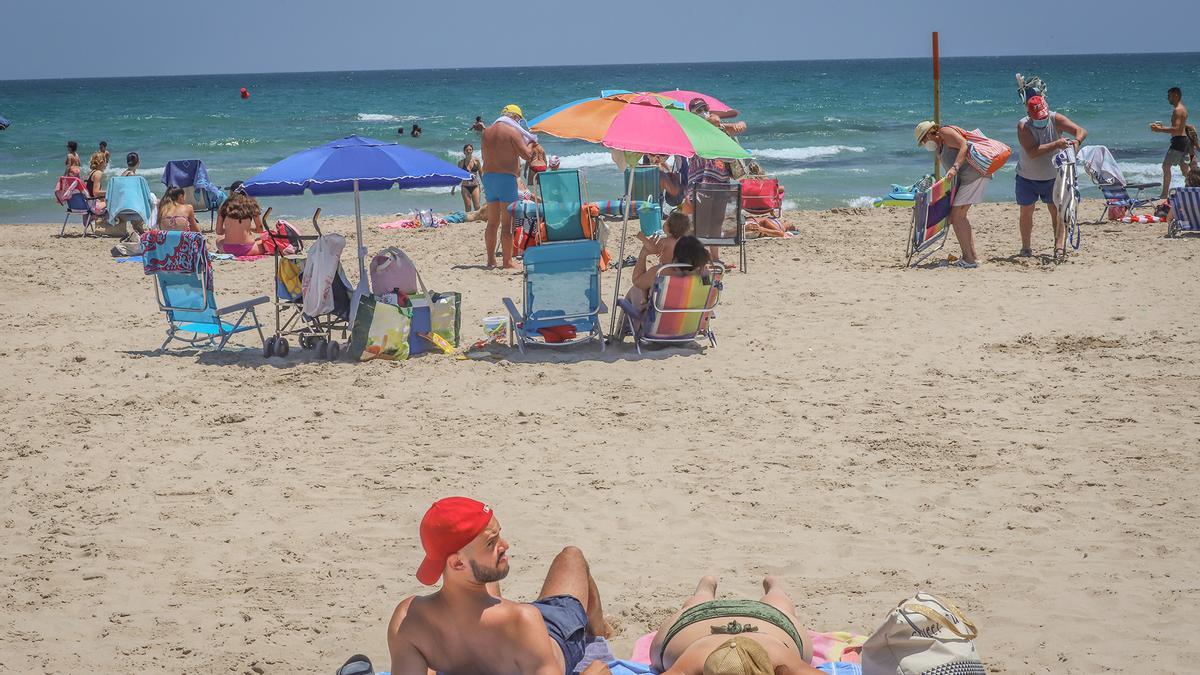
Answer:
(312, 291)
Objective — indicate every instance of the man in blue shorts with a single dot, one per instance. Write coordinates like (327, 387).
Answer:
(466, 627)
(504, 145)
(1040, 139)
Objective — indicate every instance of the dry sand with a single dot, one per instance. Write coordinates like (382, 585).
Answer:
(1021, 439)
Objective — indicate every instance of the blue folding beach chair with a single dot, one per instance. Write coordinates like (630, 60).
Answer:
(183, 288)
(562, 204)
(1185, 211)
(190, 173)
(1118, 196)
(561, 296)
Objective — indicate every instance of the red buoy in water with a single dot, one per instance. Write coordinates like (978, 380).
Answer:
(245, 93)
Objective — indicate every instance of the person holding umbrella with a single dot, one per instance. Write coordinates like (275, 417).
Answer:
(505, 143)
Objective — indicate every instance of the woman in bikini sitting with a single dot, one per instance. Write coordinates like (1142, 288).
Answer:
(239, 222)
(174, 213)
(747, 637)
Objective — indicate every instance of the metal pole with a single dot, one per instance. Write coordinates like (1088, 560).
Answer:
(361, 289)
(612, 309)
(937, 102)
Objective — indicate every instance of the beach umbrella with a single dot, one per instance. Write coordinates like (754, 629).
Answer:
(637, 124)
(4, 124)
(353, 164)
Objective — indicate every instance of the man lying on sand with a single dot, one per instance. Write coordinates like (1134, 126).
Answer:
(466, 627)
(733, 637)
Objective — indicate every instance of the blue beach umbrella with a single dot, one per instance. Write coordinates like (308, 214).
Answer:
(352, 164)
(4, 124)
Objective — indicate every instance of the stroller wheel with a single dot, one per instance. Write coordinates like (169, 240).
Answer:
(322, 347)
(269, 347)
(304, 343)
(282, 348)
(334, 351)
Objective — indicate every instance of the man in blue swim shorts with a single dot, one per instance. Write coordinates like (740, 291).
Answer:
(467, 627)
(505, 143)
(1040, 135)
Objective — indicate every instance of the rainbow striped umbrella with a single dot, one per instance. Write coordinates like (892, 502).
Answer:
(639, 122)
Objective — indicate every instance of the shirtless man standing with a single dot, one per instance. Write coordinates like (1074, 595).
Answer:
(1180, 150)
(466, 627)
(505, 144)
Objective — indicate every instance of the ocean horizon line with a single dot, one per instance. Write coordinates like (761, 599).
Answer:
(543, 66)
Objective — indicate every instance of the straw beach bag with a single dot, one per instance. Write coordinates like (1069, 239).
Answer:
(924, 635)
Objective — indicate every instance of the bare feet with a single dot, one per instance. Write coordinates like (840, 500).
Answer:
(770, 583)
(513, 265)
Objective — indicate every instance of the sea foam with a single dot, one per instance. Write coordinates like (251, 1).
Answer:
(801, 154)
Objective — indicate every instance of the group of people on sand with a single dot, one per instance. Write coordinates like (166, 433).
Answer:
(1040, 136)
(467, 626)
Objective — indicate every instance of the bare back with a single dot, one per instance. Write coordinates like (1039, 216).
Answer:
(1179, 118)
(470, 636)
(503, 148)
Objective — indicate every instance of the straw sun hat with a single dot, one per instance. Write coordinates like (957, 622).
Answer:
(922, 129)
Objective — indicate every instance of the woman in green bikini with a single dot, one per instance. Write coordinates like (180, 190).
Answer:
(749, 637)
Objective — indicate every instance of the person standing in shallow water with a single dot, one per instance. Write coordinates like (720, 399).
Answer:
(478, 126)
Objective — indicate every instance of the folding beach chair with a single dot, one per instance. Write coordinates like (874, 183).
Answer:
(1100, 165)
(129, 199)
(930, 221)
(183, 287)
(71, 192)
(561, 296)
(562, 203)
(191, 173)
(1117, 197)
(1185, 211)
(762, 196)
(713, 223)
(679, 309)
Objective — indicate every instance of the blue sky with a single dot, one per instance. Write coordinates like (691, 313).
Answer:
(69, 38)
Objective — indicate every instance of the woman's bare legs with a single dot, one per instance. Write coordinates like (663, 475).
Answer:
(962, 232)
(706, 590)
(775, 596)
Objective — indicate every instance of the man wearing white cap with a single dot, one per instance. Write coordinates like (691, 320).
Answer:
(504, 145)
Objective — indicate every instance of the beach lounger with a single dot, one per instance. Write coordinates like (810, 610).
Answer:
(1185, 211)
(71, 192)
(1100, 165)
(561, 296)
(930, 221)
(678, 311)
(183, 287)
(562, 203)
(762, 196)
(1116, 197)
(204, 196)
(712, 220)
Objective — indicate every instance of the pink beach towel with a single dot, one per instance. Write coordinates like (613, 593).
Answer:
(406, 224)
(838, 646)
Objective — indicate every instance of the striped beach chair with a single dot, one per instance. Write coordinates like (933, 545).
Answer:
(1118, 201)
(930, 221)
(679, 309)
(1185, 211)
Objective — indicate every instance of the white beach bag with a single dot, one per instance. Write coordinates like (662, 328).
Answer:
(924, 635)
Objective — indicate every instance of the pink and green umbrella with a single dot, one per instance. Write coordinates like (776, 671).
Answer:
(639, 122)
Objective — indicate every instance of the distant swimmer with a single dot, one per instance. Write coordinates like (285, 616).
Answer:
(478, 126)
(416, 131)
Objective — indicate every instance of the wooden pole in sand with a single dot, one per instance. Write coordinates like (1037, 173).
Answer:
(937, 102)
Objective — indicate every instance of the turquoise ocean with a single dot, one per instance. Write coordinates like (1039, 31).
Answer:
(837, 133)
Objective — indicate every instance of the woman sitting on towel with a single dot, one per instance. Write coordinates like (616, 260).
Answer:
(747, 637)
(239, 222)
(688, 251)
(174, 213)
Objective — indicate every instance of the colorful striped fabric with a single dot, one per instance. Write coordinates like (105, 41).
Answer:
(1185, 209)
(694, 293)
(931, 214)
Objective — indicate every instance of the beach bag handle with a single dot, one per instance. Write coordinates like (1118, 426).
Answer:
(916, 608)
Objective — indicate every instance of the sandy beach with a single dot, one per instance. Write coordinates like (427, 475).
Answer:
(1020, 439)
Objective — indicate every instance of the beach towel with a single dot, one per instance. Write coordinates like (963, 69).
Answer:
(176, 252)
(525, 133)
(67, 187)
(1100, 165)
(129, 198)
(191, 173)
(1144, 218)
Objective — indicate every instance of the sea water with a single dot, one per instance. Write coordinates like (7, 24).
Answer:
(837, 133)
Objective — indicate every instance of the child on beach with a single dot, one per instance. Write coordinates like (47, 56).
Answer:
(688, 251)
(678, 225)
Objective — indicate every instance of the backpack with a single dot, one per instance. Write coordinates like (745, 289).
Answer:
(392, 269)
(985, 155)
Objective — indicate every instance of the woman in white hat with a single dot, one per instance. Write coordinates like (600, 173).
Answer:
(971, 184)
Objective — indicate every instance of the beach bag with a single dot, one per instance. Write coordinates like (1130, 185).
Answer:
(285, 239)
(446, 316)
(923, 635)
(392, 269)
(985, 155)
(381, 331)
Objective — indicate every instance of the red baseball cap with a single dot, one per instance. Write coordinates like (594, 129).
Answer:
(448, 526)
(1037, 108)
